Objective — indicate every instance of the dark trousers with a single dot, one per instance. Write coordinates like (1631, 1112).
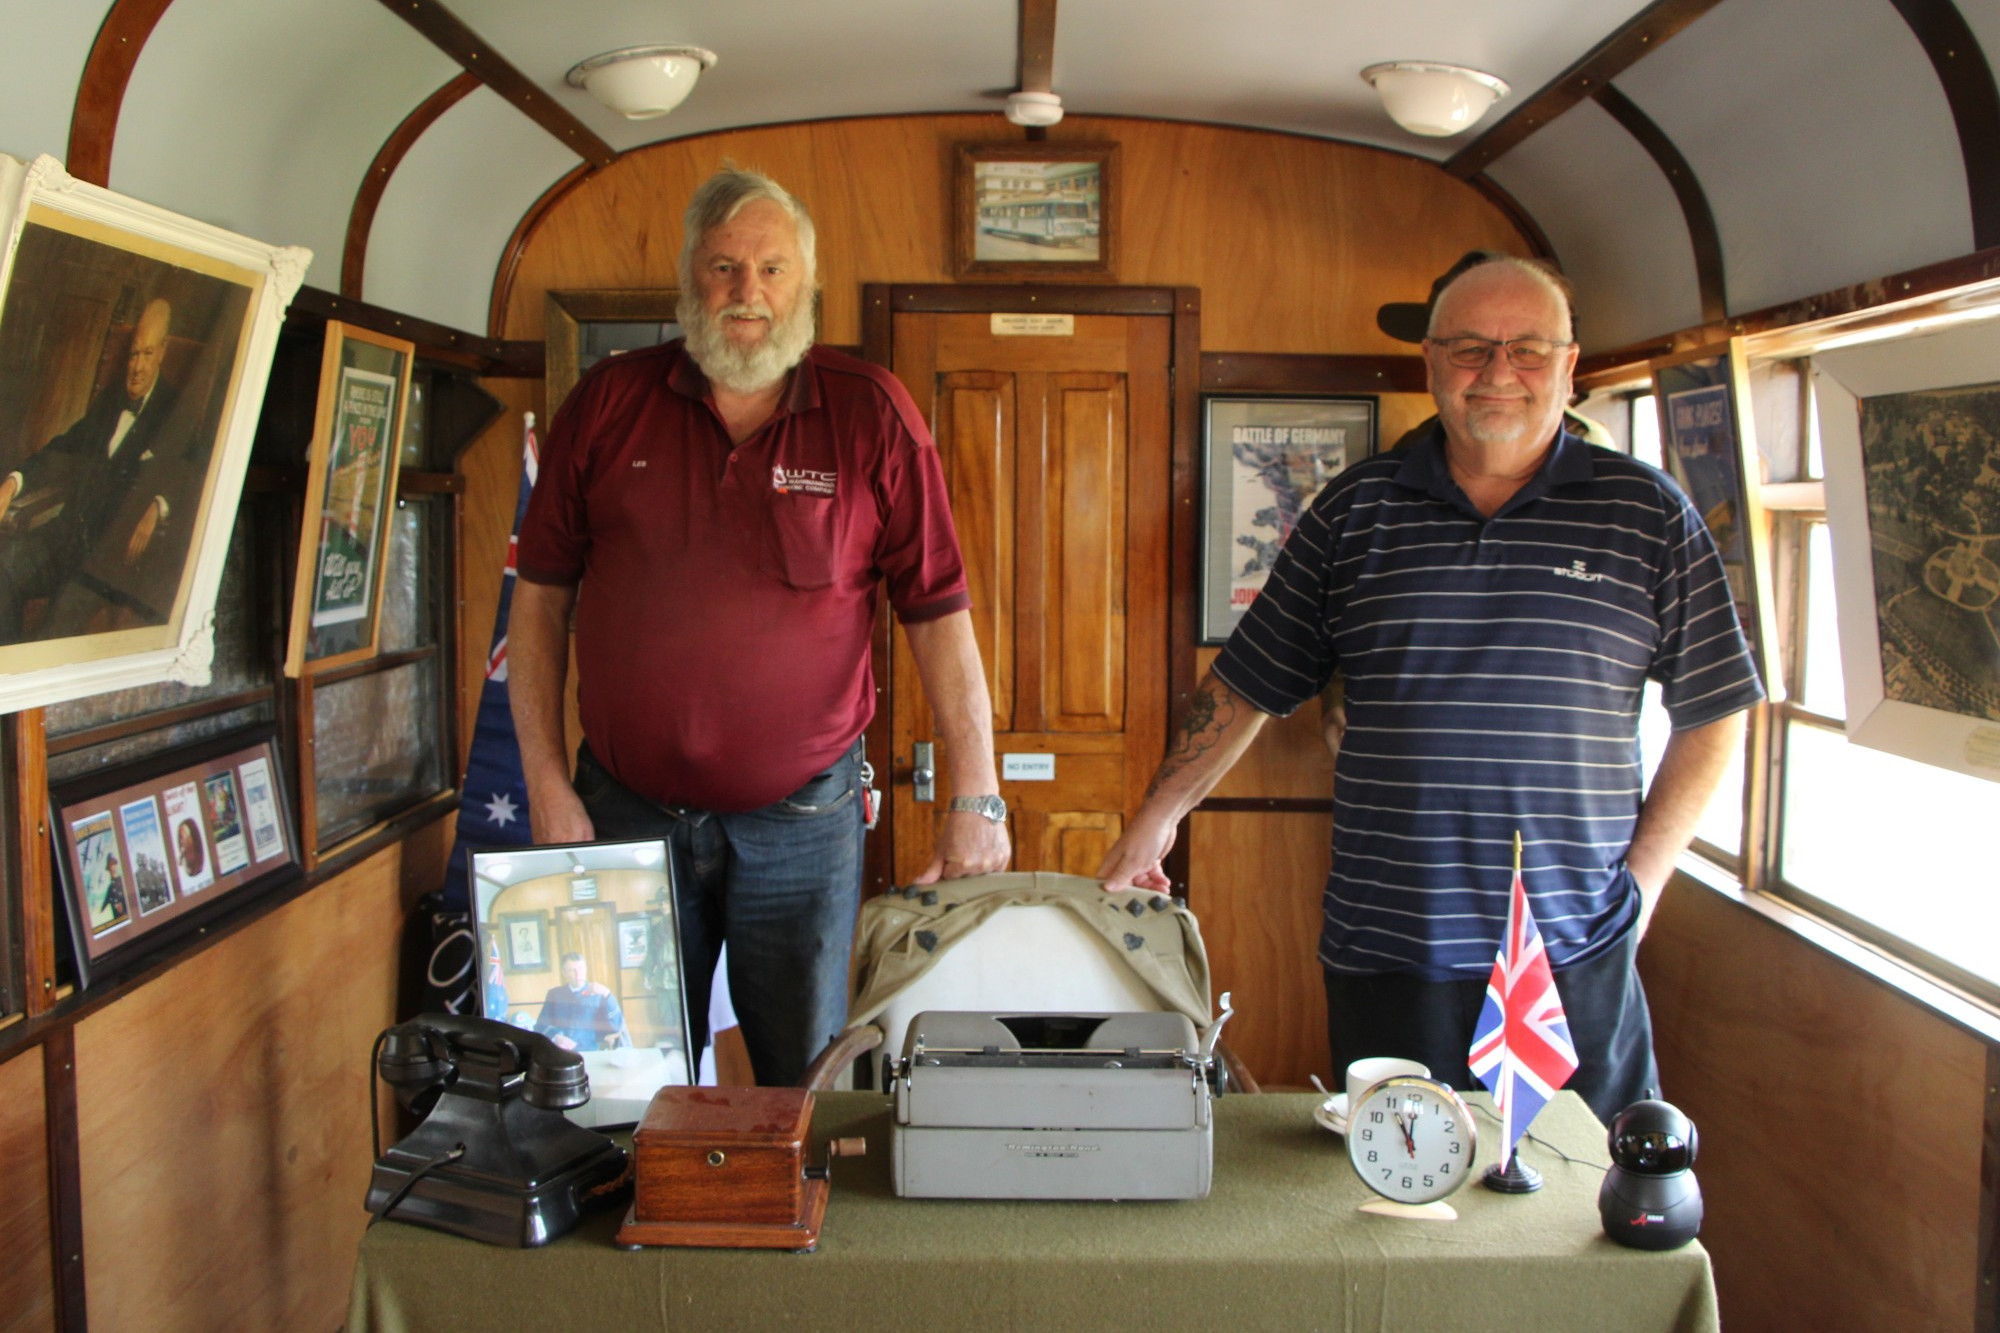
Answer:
(1396, 1013)
(780, 885)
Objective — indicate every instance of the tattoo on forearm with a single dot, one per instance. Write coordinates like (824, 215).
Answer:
(1208, 716)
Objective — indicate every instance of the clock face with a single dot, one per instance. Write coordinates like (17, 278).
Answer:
(1411, 1139)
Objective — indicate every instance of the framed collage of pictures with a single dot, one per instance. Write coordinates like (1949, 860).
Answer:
(135, 345)
(1263, 461)
(582, 943)
(357, 446)
(1706, 441)
(144, 856)
(1913, 507)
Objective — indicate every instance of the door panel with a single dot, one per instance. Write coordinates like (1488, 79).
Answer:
(1056, 453)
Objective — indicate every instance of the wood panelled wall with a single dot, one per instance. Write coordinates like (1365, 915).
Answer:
(1293, 242)
(1841, 1125)
(222, 1120)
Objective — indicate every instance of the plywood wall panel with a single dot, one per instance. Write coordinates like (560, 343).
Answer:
(1840, 1125)
(1294, 242)
(223, 1115)
(27, 1284)
(1254, 882)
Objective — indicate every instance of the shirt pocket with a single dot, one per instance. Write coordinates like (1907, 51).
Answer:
(801, 541)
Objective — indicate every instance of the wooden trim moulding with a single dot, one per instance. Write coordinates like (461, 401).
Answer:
(446, 31)
(1287, 372)
(435, 342)
(65, 1178)
(1539, 245)
(1815, 318)
(1266, 805)
(27, 750)
(1037, 46)
(1183, 545)
(361, 217)
(517, 248)
(1641, 35)
(100, 93)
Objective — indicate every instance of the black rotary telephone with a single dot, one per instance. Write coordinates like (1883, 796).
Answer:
(495, 1158)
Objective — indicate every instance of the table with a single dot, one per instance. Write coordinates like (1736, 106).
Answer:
(1278, 1244)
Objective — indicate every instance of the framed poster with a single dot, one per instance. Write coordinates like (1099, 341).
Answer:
(364, 390)
(1033, 211)
(1263, 461)
(1708, 445)
(585, 326)
(1911, 434)
(134, 349)
(146, 854)
(599, 974)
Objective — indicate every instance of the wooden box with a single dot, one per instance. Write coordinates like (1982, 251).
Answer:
(724, 1166)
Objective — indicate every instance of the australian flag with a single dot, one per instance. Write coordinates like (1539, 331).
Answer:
(493, 799)
(1521, 1047)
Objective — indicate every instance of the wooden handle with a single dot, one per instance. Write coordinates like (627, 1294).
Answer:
(847, 1148)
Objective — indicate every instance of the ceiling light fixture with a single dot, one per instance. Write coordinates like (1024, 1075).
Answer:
(1431, 99)
(1034, 109)
(641, 82)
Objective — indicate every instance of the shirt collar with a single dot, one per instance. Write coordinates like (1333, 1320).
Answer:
(1424, 467)
(801, 394)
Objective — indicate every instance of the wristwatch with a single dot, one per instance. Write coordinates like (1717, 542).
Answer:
(988, 807)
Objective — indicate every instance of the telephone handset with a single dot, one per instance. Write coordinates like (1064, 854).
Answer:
(494, 1158)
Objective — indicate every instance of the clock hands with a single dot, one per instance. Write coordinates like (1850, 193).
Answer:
(1408, 1125)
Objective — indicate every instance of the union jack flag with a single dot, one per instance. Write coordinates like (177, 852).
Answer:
(1521, 1046)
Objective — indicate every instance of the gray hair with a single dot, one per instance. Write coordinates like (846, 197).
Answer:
(1540, 271)
(725, 194)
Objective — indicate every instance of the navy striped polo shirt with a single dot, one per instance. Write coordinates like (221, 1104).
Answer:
(1494, 669)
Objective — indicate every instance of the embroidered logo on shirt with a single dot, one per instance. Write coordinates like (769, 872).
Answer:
(802, 481)
(638, 462)
(1578, 572)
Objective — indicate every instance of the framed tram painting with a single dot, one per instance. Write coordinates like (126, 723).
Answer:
(364, 391)
(1910, 430)
(1035, 211)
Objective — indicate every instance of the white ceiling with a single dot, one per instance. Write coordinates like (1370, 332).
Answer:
(1816, 126)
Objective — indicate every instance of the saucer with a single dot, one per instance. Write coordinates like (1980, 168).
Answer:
(1332, 1113)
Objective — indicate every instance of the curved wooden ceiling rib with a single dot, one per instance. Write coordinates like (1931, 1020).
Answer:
(1702, 233)
(361, 218)
(93, 122)
(1969, 91)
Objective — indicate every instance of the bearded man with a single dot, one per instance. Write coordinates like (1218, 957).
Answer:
(720, 513)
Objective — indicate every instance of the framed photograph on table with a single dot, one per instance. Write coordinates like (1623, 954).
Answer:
(585, 326)
(599, 972)
(146, 855)
(1263, 461)
(1908, 430)
(1029, 212)
(1710, 449)
(364, 390)
(134, 349)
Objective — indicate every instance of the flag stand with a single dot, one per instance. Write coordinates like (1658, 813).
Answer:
(1517, 1177)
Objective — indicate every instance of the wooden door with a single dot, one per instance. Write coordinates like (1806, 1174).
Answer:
(1057, 451)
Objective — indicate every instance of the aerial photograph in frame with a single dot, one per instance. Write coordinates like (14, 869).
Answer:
(1932, 461)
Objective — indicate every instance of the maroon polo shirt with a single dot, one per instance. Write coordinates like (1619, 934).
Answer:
(726, 595)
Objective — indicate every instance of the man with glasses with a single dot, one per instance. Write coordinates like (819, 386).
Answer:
(1496, 594)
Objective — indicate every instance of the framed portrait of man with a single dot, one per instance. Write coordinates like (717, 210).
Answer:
(134, 348)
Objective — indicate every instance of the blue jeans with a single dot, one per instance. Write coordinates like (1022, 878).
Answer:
(781, 885)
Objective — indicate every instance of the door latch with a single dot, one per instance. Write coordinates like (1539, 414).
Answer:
(923, 771)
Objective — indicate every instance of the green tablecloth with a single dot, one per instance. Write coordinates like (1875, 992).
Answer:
(1278, 1244)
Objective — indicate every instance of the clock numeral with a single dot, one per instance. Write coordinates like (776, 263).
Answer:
(1429, 1182)
(1444, 1168)
(1375, 1116)
(1371, 1154)
(1407, 1183)
(1455, 1147)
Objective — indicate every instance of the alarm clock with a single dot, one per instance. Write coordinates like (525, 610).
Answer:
(1411, 1139)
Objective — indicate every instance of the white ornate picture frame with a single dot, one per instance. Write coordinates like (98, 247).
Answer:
(1916, 557)
(117, 554)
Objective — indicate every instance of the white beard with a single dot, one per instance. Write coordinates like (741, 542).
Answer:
(751, 369)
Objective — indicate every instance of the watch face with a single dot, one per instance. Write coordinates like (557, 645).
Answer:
(1411, 1139)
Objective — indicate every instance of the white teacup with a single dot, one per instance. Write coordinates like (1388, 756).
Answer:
(1365, 1074)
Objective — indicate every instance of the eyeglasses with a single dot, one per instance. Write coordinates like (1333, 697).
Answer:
(1471, 353)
